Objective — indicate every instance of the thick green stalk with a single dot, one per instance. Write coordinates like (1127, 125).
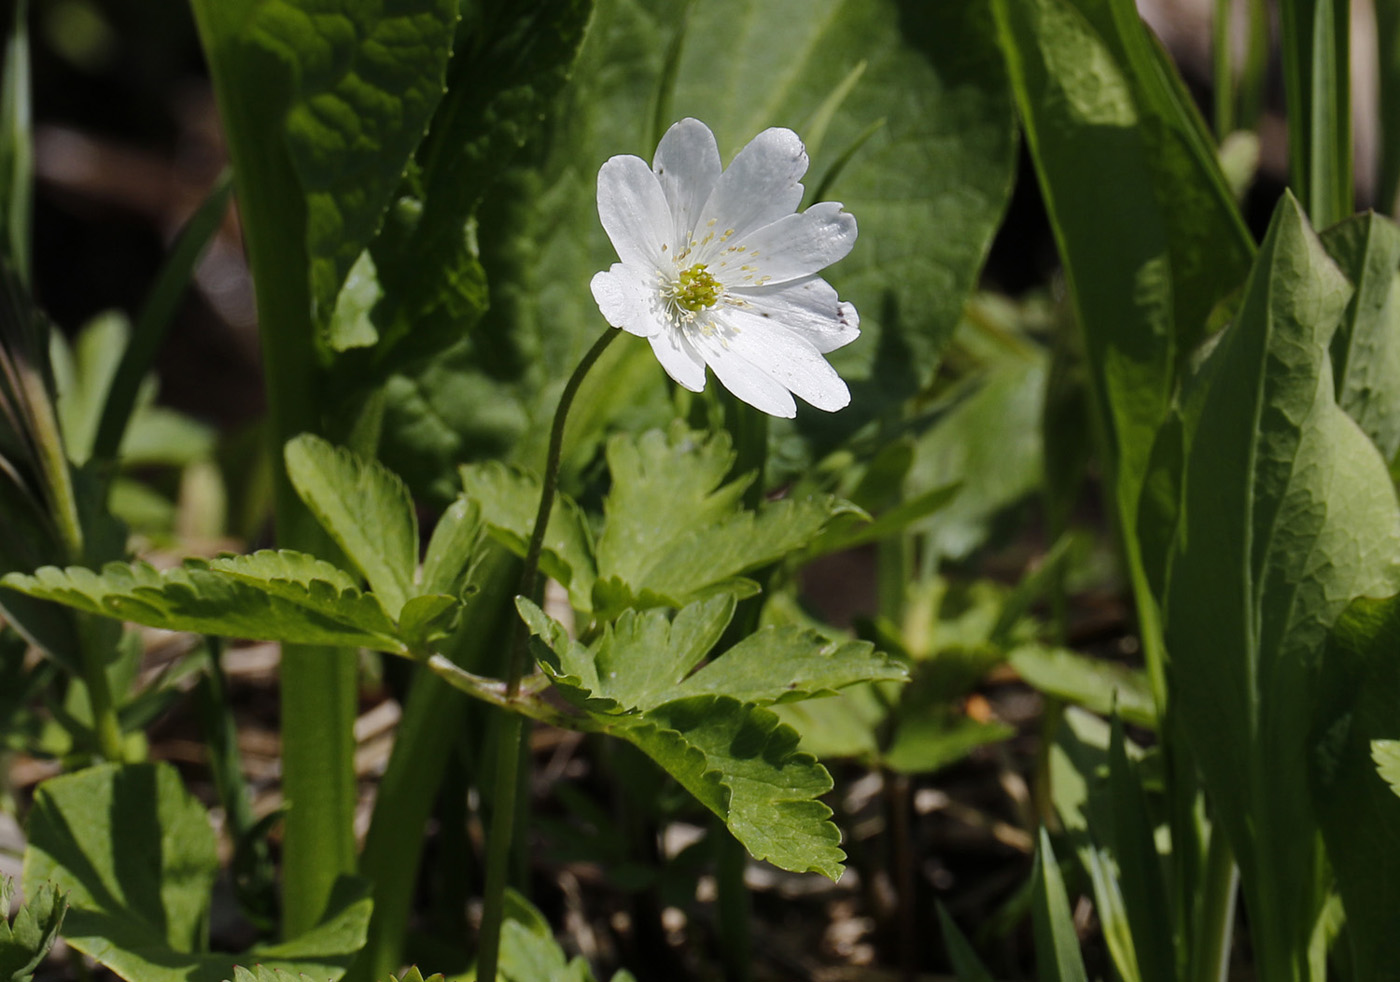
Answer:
(318, 685)
(432, 718)
(1216, 921)
(512, 724)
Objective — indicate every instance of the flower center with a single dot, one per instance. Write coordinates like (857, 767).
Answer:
(695, 289)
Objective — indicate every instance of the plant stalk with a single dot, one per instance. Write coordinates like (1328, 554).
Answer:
(512, 725)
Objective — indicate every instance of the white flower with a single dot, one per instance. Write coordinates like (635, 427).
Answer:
(718, 268)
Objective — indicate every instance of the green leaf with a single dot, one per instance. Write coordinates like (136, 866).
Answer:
(25, 943)
(1386, 754)
(1057, 956)
(1366, 348)
(1355, 801)
(743, 764)
(365, 508)
(1262, 569)
(509, 500)
(989, 441)
(365, 77)
(447, 562)
(781, 664)
(276, 596)
(1095, 684)
(673, 527)
(136, 853)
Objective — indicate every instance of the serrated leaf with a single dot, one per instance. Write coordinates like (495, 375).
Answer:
(136, 853)
(1386, 755)
(365, 508)
(781, 664)
(447, 562)
(509, 499)
(673, 526)
(742, 763)
(278, 596)
(25, 943)
(1262, 569)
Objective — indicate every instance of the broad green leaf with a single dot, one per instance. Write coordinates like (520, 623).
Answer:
(26, 942)
(276, 596)
(742, 763)
(1386, 754)
(263, 973)
(1094, 683)
(509, 500)
(781, 664)
(365, 508)
(136, 853)
(362, 79)
(1262, 569)
(1355, 804)
(1057, 956)
(1315, 38)
(845, 725)
(1366, 348)
(928, 742)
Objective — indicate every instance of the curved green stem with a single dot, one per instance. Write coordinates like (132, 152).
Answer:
(513, 724)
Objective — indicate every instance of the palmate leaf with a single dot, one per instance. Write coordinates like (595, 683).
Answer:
(738, 759)
(673, 526)
(279, 596)
(646, 658)
(136, 853)
(742, 763)
(26, 942)
(1288, 513)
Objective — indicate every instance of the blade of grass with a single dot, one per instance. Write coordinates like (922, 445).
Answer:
(17, 147)
(1317, 86)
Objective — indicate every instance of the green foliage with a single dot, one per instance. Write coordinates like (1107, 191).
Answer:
(135, 853)
(1262, 569)
(1354, 800)
(281, 596)
(25, 943)
(367, 511)
(16, 147)
(1094, 683)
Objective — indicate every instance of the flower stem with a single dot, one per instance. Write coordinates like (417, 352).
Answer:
(513, 724)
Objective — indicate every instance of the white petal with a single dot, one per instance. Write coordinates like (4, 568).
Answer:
(762, 184)
(790, 360)
(792, 247)
(687, 165)
(626, 299)
(808, 307)
(746, 380)
(633, 210)
(680, 359)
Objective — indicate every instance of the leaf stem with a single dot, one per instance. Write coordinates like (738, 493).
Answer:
(513, 724)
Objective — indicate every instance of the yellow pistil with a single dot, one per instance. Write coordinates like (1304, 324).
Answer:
(695, 289)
